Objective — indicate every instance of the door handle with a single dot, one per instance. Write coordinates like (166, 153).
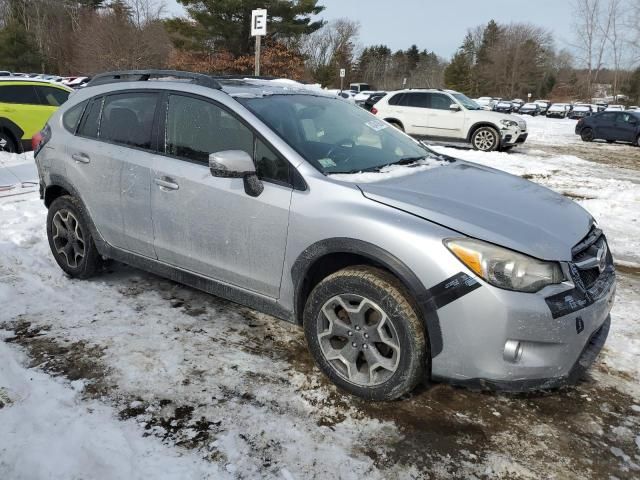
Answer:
(166, 183)
(81, 157)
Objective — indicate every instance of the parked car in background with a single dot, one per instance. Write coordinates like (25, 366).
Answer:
(634, 108)
(359, 87)
(444, 269)
(362, 96)
(5, 73)
(580, 111)
(532, 109)
(449, 116)
(615, 108)
(486, 103)
(78, 82)
(544, 105)
(503, 107)
(600, 107)
(612, 126)
(373, 99)
(25, 106)
(348, 95)
(517, 103)
(559, 110)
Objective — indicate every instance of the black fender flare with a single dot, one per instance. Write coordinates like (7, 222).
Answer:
(394, 120)
(15, 130)
(421, 295)
(478, 125)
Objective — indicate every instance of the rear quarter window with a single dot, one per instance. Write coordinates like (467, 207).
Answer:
(71, 118)
(52, 96)
(91, 119)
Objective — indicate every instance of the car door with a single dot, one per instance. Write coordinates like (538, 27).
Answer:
(109, 166)
(414, 112)
(209, 225)
(21, 105)
(442, 121)
(605, 125)
(626, 126)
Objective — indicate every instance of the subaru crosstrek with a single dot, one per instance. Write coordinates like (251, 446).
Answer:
(402, 264)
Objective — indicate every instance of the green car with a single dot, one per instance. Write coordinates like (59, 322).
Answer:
(25, 107)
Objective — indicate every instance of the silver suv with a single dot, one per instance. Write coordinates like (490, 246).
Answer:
(401, 264)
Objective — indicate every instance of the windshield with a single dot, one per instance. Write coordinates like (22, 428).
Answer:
(582, 109)
(530, 105)
(466, 102)
(333, 135)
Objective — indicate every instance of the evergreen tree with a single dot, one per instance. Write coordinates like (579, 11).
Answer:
(457, 75)
(18, 52)
(228, 23)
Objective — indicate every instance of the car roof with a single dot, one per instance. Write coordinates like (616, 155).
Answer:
(23, 80)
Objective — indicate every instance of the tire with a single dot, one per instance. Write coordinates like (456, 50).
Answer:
(587, 134)
(638, 141)
(7, 143)
(70, 238)
(485, 139)
(366, 304)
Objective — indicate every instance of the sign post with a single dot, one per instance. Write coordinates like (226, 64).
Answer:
(258, 29)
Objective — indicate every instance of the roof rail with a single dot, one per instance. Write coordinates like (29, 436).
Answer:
(145, 75)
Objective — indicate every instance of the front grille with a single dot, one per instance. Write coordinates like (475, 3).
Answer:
(587, 252)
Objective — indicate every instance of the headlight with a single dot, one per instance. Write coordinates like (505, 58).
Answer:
(509, 123)
(505, 268)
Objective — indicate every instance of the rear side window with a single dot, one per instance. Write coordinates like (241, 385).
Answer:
(440, 101)
(91, 120)
(397, 99)
(22, 94)
(52, 96)
(417, 99)
(71, 118)
(127, 119)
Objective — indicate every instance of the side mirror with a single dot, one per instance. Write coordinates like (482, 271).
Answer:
(454, 107)
(236, 164)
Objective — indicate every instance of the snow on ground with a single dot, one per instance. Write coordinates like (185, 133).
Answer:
(155, 380)
(46, 431)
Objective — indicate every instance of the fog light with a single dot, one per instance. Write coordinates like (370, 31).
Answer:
(512, 351)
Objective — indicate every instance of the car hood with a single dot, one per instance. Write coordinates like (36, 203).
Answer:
(489, 205)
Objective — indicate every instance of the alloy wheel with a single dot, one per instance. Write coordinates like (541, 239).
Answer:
(484, 140)
(358, 339)
(68, 239)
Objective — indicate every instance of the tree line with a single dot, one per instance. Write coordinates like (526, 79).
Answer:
(72, 37)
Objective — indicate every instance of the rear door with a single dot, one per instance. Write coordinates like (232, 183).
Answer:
(209, 225)
(442, 121)
(109, 165)
(605, 125)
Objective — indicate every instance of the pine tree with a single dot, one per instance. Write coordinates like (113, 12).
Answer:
(457, 75)
(18, 52)
(228, 23)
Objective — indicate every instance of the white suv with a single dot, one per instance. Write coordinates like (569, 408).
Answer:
(450, 116)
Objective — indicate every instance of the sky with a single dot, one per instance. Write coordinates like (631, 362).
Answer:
(440, 25)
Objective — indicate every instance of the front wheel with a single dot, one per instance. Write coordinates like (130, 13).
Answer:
(70, 238)
(364, 333)
(485, 139)
(587, 135)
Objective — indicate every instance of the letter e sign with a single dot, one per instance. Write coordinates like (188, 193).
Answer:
(258, 22)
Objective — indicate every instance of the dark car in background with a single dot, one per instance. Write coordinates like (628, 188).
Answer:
(532, 109)
(610, 126)
(372, 100)
(503, 107)
(580, 111)
(559, 110)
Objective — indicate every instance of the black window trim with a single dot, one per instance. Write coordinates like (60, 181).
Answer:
(293, 183)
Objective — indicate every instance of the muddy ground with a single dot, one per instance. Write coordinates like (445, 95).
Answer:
(586, 431)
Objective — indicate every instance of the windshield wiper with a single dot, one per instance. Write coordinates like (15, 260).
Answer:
(402, 161)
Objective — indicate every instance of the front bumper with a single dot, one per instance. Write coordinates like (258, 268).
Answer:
(558, 336)
(512, 137)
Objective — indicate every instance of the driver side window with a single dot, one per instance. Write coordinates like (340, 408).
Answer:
(196, 128)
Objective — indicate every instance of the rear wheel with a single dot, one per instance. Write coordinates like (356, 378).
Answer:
(485, 139)
(70, 238)
(587, 134)
(364, 333)
(7, 143)
(396, 124)
(638, 141)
